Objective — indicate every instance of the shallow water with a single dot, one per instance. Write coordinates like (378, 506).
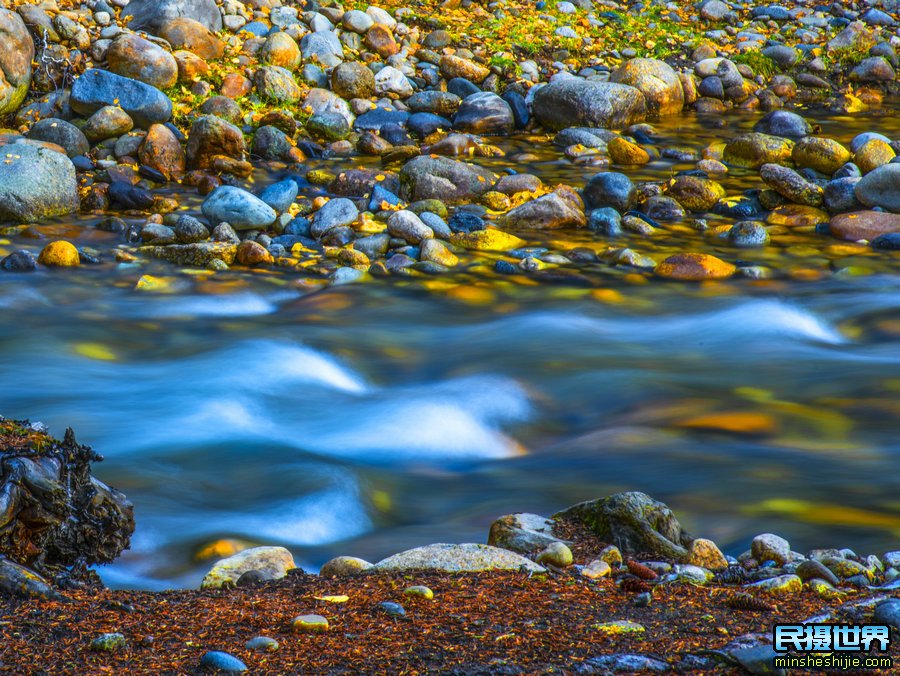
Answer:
(369, 418)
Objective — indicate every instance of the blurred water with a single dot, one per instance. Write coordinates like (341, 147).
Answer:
(363, 420)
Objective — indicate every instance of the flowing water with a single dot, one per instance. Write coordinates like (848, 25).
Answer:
(369, 418)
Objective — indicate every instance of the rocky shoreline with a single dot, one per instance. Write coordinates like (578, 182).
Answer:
(599, 587)
(260, 111)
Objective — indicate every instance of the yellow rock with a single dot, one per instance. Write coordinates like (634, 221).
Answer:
(736, 422)
(623, 151)
(336, 598)
(151, 283)
(220, 549)
(873, 154)
(59, 254)
(495, 200)
(694, 267)
(797, 215)
(94, 351)
(620, 627)
(489, 239)
(418, 591)
(309, 624)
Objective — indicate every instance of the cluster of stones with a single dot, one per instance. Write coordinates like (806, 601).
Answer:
(343, 83)
(633, 523)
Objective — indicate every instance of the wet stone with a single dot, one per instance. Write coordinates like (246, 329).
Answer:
(222, 662)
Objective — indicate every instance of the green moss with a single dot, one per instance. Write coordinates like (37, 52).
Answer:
(759, 62)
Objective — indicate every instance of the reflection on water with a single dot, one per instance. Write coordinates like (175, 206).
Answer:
(365, 419)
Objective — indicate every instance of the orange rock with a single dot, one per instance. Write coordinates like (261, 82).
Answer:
(253, 253)
(735, 422)
(694, 267)
(162, 151)
(864, 225)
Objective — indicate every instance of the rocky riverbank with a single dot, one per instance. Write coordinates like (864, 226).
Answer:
(610, 585)
(333, 144)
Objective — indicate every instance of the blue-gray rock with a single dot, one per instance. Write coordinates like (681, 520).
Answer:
(130, 196)
(381, 196)
(783, 123)
(881, 188)
(238, 208)
(484, 113)
(328, 126)
(423, 124)
(609, 189)
(262, 644)
(465, 222)
(270, 143)
(519, 108)
(392, 609)
(437, 224)
(873, 69)
(887, 242)
(62, 133)
(151, 14)
(840, 195)
(222, 662)
(627, 663)
(462, 87)
(376, 119)
(748, 234)
(19, 261)
(324, 46)
(96, 88)
(36, 183)
(576, 102)
(606, 221)
(444, 179)
(333, 214)
(437, 102)
(280, 195)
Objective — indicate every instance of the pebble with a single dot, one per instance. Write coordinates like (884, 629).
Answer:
(222, 662)
(262, 644)
(309, 624)
(556, 554)
(108, 643)
(392, 609)
(419, 591)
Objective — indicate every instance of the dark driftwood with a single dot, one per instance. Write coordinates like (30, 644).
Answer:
(55, 518)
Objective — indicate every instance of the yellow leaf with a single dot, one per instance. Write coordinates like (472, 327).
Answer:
(339, 598)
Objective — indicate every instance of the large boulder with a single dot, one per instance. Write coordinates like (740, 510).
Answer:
(656, 80)
(465, 558)
(149, 15)
(574, 102)
(635, 523)
(96, 88)
(443, 179)
(35, 183)
(272, 563)
(881, 188)
(132, 56)
(15, 61)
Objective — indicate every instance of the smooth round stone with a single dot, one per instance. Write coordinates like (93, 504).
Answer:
(810, 569)
(656, 80)
(239, 208)
(696, 193)
(309, 624)
(825, 155)
(596, 569)
(861, 139)
(864, 225)
(188, 230)
(280, 195)
(222, 662)
(609, 189)
(881, 188)
(888, 242)
(96, 88)
(756, 149)
(606, 221)
(556, 554)
(623, 151)
(392, 609)
(783, 123)
(62, 133)
(262, 644)
(770, 547)
(748, 234)
(872, 154)
(484, 113)
(694, 267)
(791, 185)
(419, 591)
(59, 254)
(840, 195)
